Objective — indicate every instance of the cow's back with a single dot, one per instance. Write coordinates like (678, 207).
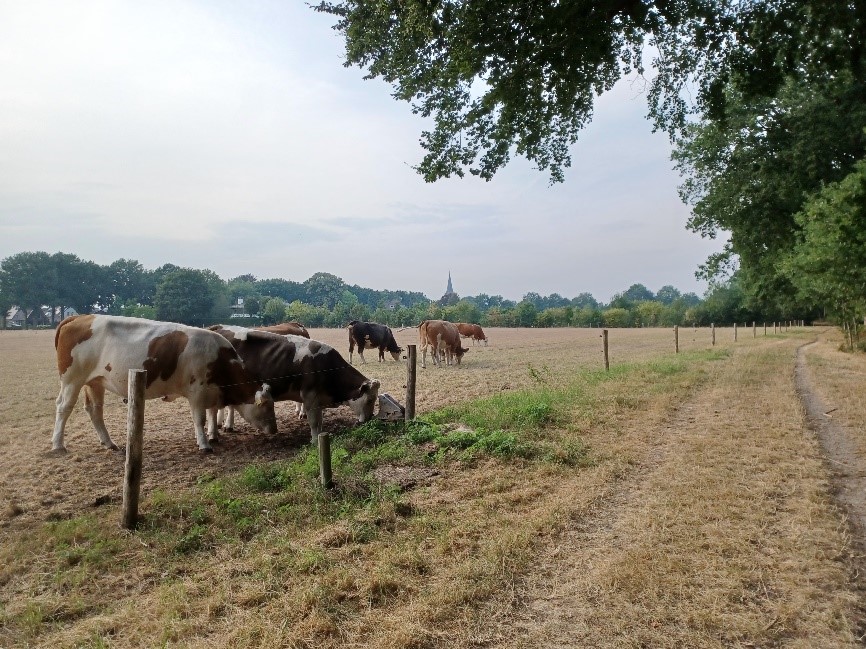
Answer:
(291, 328)
(179, 360)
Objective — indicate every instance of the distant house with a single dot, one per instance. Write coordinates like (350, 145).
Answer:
(15, 318)
(18, 318)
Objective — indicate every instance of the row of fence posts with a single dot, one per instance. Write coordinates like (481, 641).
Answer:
(135, 420)
(135, 438)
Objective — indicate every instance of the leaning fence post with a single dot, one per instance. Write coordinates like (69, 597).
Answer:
(411, 374)
(325, 460)
(134, 445)
(677, 339)
(606, 357)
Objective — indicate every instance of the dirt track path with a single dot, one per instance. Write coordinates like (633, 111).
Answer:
(579, 594)
(846, 464)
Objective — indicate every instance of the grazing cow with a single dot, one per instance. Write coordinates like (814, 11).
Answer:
(443, 338)
(473, 331)
(370, 334)
(96, 352)
(286, 329)
(308, 371)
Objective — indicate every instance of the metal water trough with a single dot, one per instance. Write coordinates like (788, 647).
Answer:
(389, 409)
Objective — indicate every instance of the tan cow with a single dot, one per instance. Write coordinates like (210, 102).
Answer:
(473, 331)
(291, 328)
(443, 338)
(96, 352)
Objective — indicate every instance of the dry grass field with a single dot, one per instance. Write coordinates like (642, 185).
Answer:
(690, 506)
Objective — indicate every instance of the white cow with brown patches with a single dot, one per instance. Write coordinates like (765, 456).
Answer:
(96, 352)
(303, 370)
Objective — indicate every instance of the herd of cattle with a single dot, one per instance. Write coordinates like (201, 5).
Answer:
(229, 367)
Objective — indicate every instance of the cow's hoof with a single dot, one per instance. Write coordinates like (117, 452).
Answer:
(59, 450)
(206, 450)
(113, 447)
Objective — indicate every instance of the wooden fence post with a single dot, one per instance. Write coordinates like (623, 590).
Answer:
(411, 376)
(677, 339)
(765, 328)
(606, 357)
(325, 460)
(713, 331)
(754, 329)
(735, 332)
(134, 446)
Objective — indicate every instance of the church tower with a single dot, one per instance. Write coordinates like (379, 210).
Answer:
(450, 296)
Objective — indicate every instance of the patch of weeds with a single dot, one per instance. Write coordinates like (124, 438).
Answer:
(81, 541)
(542, 376)
(573, 452)
(265, 478)
(310, 560)
(194, 540)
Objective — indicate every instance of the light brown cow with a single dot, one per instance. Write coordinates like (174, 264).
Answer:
(443, 338)
(291, 328)
(473, 331)
(96, 352)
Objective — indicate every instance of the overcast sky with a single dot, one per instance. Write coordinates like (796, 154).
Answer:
(229, 136)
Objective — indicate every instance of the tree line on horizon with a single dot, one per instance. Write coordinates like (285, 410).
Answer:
(33, 280)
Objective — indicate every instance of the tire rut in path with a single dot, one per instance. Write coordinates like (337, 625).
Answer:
(847, 467)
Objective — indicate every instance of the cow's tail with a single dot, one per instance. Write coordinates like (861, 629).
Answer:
(65, 321)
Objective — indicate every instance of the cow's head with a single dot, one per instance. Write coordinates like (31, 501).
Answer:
(396, 355)
(260, 413)
(458, 352)
(364, 400)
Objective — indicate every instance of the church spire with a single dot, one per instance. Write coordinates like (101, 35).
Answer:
(450, 288)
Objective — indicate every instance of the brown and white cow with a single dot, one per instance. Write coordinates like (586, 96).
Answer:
(372, 335)
(443, 338)
(96, 352)
(473, 331)
(308, 371)
(291, 328)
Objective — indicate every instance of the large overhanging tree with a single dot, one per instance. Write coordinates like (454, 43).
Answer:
(506, 77)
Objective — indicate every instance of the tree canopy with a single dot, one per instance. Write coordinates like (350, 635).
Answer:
(506, 77)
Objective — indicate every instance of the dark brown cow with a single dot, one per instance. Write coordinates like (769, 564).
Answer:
(291, 328)
(303, 370)
(371, 334)
(443, 338)
(473, 331)
(96, 352)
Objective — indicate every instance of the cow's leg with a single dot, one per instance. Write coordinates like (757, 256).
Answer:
(199, 417)
(65, 405)
(424, 356)
(94, 399)
(228, 418)
(299, 410)
(361, 353)
(214, 415)
(351, 348)
(314, 418)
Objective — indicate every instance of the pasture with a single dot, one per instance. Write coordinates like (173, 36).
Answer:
(674, 501)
